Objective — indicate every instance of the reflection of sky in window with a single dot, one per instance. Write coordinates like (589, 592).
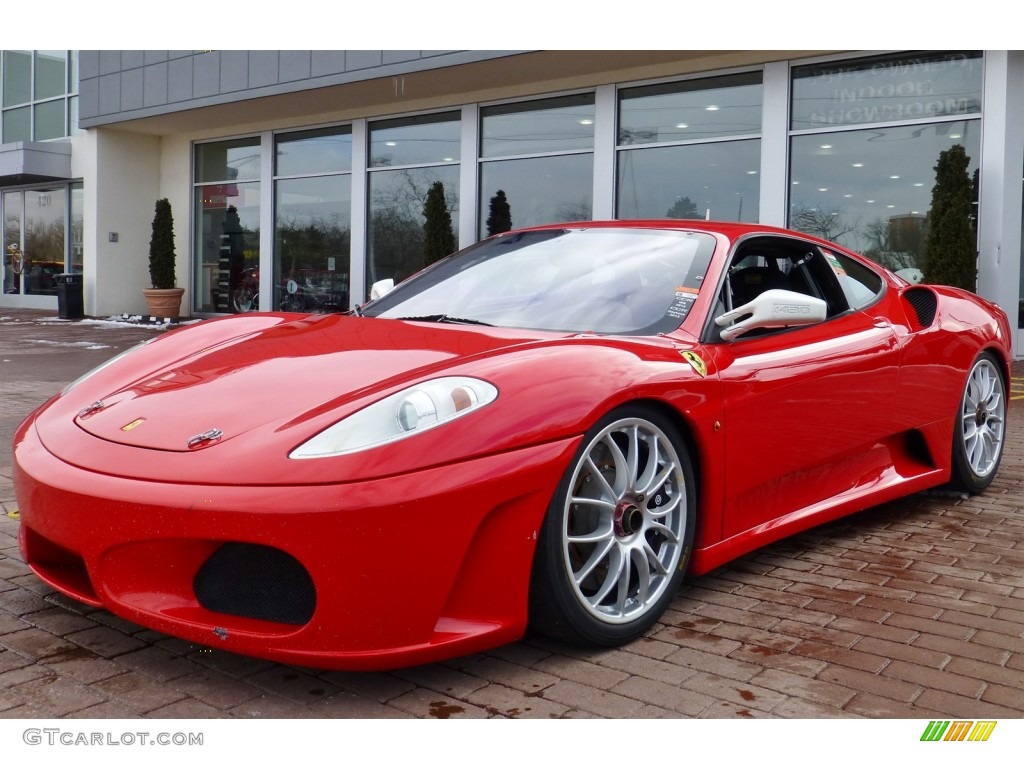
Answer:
(49, 122)
(540, 190)
(237, 160)
(314, 152)
(872, 175)
(699, 109)
(723, 178)
(415, 141)
(321, 201)
(17, 77)
(551, 125)
(885, 89)
(51, 78)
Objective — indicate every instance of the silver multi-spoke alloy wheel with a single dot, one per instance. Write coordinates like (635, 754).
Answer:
(624, 521)
(983, 418)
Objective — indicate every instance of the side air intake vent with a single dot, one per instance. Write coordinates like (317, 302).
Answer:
(922, 303)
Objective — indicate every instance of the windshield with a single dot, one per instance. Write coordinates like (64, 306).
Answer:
(600, 280)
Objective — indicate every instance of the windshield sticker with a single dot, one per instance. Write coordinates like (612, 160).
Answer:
(834, 263)
(681, 304)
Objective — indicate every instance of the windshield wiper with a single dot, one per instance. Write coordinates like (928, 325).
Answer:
(446, 319)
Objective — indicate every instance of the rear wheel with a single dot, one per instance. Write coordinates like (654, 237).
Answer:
(980, 428)
(615, 543)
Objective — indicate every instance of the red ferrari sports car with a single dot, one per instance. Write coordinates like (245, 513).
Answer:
(547, 429)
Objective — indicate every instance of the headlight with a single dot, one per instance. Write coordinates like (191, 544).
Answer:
(400, 415)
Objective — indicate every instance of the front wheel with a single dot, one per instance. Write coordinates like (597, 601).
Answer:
(980, 428)
(616, 540)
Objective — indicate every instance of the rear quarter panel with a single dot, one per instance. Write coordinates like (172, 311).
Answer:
(936, 359)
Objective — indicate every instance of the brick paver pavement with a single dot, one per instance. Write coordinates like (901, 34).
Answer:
(913, 609)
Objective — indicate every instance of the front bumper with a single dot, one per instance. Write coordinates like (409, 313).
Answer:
(402, 570)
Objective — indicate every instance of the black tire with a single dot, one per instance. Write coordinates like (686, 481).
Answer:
(979, 433)
(616, 540)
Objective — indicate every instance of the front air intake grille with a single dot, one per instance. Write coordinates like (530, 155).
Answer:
(924, 303)
(256, 582)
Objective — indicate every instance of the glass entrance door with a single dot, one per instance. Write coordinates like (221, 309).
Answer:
(34, 245)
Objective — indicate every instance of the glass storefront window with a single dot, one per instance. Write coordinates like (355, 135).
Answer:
(425, 139)
(557, 184)
(689, 176)
(226, 214)
(13, 208)
(35, 88)
(694, 109)
(691, 181)
(17, 125)
(540, 190)
(428, 146)
(312, 223)
(50, 120)
(44, 240)
(561, 124)
(36, 224)
(228, 242)
(76, 216)
(396, 200)
(913, 86)
(325, 150)
(51, 74)
(236, 160)
(17, 77)
(871, 189)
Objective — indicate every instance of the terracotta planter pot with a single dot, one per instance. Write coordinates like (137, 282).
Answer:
(164, 302)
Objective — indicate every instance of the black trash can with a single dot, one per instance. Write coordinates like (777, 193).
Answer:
(70, 301)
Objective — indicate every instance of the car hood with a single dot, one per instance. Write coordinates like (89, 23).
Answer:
(296, 369)
(227, 400)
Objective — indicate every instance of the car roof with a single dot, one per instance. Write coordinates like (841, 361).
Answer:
(731, 230)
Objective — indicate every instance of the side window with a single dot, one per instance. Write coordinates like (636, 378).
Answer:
(772, 262)
(765, 263)
(860, 285)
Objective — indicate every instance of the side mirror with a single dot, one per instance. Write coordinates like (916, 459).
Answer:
(772, 309)
(380, 288)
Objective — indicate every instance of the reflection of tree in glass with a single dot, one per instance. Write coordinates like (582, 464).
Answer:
(952, 242)
(12, 229)
(683, 208)
(45, 241)
(500, 218)
(438, 237)
(823, 222)
(396, 224)
(397, 245)
(304, 245)
(897, 243)
(574, 211)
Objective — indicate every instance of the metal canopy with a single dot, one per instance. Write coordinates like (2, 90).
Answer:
(30, 162)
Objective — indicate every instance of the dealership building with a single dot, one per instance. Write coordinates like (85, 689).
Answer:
(297, 178)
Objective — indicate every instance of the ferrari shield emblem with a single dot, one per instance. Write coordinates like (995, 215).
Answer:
(131, 425)
(695, 362)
